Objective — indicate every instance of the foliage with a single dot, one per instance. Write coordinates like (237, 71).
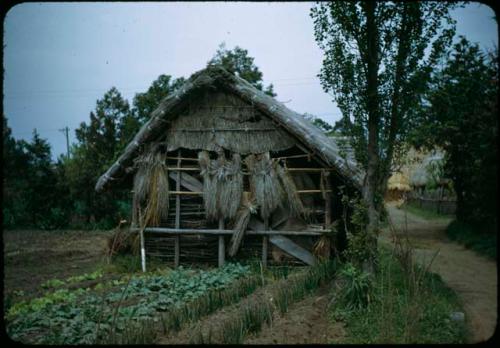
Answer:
(32, 187)
(397, 313)
(483, 243)
(403, 32)
(84, 316)
(321, 124)
(145, 103)
(375, 66)
(461, 118)
(356, 292)
(358, 249)
(238, 62)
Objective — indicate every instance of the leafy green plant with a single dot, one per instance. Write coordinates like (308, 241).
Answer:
(86, 316)
(357, 290)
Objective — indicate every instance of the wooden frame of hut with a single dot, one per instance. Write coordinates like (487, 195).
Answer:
(220, 162)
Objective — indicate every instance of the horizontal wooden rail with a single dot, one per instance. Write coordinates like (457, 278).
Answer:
(176, 231)
(278, 158)
(192, 193)
(212, 130)
(308, 170)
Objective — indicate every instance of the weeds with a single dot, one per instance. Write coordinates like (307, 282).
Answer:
(404, 303)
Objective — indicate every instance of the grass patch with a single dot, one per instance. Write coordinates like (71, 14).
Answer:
(424, 213)
(472, 238)
(398, 306)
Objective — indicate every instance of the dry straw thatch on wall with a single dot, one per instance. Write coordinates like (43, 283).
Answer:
(222, 120)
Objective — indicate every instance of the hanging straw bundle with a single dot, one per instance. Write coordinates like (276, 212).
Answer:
(209, 185)
(151, 188)
(288, 186)
(222, 185)
(141, 185)
(248, 208)
(264, 183)
(230, 187)
(157, 208)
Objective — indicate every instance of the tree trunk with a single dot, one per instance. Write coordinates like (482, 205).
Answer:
(371, 181)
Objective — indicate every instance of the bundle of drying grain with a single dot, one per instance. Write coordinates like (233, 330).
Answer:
(122, 241)
(288, 186)
(230, 187)
(151, 188)
(222, 185)
(141, 184)
(158, 200)
(264, 183)
(248, 207)
(321, 248)
(209, 185)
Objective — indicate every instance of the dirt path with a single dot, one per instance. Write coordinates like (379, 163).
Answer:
(471, 276)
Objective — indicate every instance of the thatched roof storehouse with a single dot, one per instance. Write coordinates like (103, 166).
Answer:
(220, 162)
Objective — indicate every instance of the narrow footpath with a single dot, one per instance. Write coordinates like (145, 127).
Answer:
(472, 276)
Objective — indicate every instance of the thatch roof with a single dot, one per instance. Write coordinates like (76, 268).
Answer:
(213, 78)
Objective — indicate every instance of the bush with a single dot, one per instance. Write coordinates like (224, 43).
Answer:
(56, 218)
(356, 290)
(473, 238)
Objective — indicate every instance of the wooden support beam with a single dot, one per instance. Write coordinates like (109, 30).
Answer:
(265, 240)
(293, 249)
(143, 251)
(307, 170)
(328, 200)
(175, 231)
(177, 214)
(188, 181)
(308, 155)
(325, 176)
(222, 247)
(192, 193)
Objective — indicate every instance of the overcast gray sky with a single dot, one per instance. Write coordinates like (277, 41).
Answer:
(59, 58)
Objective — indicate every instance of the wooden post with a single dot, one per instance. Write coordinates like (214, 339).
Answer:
(222, 248)
(328, 200)
(328, 210)
(177, 213)
(265, 241)
(143, 251)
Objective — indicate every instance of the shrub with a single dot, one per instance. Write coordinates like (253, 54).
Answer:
(356, 291)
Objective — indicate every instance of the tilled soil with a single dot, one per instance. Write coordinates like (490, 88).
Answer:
(472, 276)
(32, 257)
(306, 322)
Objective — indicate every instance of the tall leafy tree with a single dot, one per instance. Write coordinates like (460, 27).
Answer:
(238, 62)
(461, 117)
(376, 66)
(98, 146)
